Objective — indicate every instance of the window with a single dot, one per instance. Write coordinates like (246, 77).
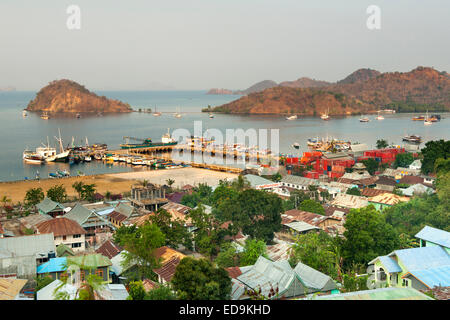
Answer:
(76, 245)
(64, 237)
(77, 235)
(82, 275)
(405, 282)
(99, 273)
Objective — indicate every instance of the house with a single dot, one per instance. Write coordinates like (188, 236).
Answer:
(30, 221)
(419, 268)
(64, 251)
(359, 167)
(299, 183)
(378, 294)
(278, 280)
(89, 220)
(416, 165)
(107, 292)
(386, 200)
(344, 200)
(430, 237)
(416, 189)
(176, 196)
(64, 231)
(335, 211)
(311, 218)
(109, 249)
(50, 207)
(149, 197)
(371, 192)
(260, 183)
(122, 214)
(179, 211)
(279, 251)
(170, 259)
(398, 173)
(385, 183)
(89, 264)
(314, 280)
(10, 288)
(19, 256)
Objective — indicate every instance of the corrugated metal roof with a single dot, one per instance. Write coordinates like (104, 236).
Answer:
(423, 258)
(417, 189)
(78, 213)
(378, 294)
(60, 227)
(37, 244)
(299, 180)
(10, 288)
(301, 226)
(47, 292)
(349, 201)
(390, 264)
(388, 199)
(237, 289)
(313, 278)
(95, 260)
(266, 274)
(48, 205)
(255, 180)
(433, 277)
(53, 265)
(434, 235)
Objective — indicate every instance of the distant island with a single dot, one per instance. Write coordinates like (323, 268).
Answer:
(68, 96)
(7, 89)
(363, 91)
(219, 91)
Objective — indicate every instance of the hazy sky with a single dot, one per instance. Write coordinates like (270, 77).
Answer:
(199, 44)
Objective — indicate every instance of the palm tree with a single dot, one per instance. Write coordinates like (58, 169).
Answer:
(170, 182)
(143, 183)
(5, 200)
(78, 186)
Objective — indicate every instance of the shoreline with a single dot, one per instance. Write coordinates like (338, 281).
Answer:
(115, 182)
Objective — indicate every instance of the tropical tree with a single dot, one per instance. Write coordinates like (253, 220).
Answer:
(87, 192)
(312, 206)
(381, 144)
(367, 236)
(228, 256)
(136, 290)
(354, 191)
(372, 165)
(174, 229)
(34, 196)
(57, 193)
(199, 279)
(403, 160)
(253, 249)
(5, 200)
(140, 245)
(318, 251)
(163, 292)
(78, 186)
(434, 150)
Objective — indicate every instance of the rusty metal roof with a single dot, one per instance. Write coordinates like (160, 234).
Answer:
(60, 227)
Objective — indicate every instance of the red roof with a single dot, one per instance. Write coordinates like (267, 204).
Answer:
(117, 216)
(370, 192)
(167, 271)
(60, 227)
(108, 249)
(234, 272)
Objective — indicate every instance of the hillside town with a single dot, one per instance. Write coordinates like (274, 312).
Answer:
(348, 225)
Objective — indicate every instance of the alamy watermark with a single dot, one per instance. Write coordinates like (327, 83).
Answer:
(374, 20)
(234, 147)
(73, 21)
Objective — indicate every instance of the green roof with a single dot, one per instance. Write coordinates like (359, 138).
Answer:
(62, 251)
(47, 205)
(378, 294)
(90, 260)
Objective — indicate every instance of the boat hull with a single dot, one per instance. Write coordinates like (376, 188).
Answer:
(150, 145)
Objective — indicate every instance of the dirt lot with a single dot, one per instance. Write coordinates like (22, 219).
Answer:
(117, 182)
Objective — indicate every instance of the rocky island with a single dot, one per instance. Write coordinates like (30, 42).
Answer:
(363, 91)
(68, 96)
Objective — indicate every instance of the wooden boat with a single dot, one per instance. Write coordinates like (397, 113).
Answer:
(418, 118)
(32, 157)
(45, 116)
(156, 113)
(294, 117)
(364, 119)
(412, 139)
(325, 116)
(379, 117)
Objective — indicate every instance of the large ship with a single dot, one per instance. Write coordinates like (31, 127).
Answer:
(166, 140)
(412, 139)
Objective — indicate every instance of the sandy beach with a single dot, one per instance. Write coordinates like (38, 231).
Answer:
(116, 182)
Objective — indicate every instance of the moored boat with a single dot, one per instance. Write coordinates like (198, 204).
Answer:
(294, 117)
(364, 119)
(412, 138)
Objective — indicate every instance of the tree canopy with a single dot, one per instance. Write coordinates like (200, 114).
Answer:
(433, 151)
(199, 279)
(312, 206)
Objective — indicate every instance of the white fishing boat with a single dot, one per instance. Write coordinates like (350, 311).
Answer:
(296, 145)
(211, 116)
(156, 113)
(24, 113)
(32, 157)
(427, 121)
(138, 162)
(379, 117)
(364, 119)
(122, 159)
(87, 159)
(325, 116)
(294, 117)
(45, 116)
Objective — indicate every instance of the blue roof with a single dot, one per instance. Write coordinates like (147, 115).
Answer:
(390, 264)
(423, 258)
(434, 277)
(434, 235)
(53, 265)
